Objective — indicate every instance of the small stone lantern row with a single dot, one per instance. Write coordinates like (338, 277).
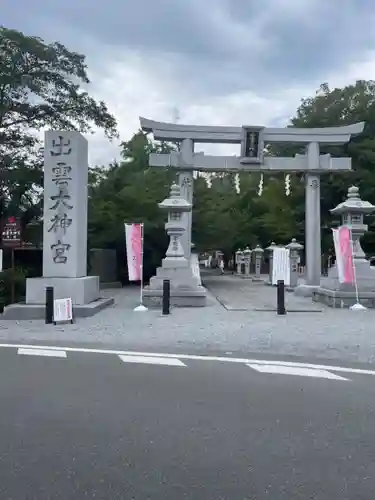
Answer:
(243, 260)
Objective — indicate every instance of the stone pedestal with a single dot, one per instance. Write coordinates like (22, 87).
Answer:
(186, 288)
(84, 293)
(305, 290)
(335, 294)
(81, 290)
(343, 295)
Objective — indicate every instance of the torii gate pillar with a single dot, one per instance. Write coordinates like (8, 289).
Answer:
(312, 217)
(186, 182)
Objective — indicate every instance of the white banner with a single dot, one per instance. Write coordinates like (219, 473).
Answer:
(339, 256)
(281, 266)
(342, 240)
(134, 250)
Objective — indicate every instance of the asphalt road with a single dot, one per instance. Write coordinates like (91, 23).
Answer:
(89, 425)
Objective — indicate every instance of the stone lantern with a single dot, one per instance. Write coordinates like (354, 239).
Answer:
(219, 257)
(270, 250)
(239, 261)
(294, 253)
(352, 211)
(258, 252)
(176, 205)
(331, 291)
(185, 284)
(246, 260)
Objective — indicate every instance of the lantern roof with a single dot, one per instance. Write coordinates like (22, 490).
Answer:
(353, 204)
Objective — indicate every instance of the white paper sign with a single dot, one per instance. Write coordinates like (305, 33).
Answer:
(281, 266)
(62, 310)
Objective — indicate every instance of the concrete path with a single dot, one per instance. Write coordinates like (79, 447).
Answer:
(240, 294)
(330, 334)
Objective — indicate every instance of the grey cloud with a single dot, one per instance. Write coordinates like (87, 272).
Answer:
(217, 46)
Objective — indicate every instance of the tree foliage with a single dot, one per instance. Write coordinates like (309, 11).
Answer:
(45, 86)
(129, 191)
(343, 106)
(223, 219)
(41, 86)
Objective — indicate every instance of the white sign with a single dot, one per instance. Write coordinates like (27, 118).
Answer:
(1, 260)
(62, 310)
(281, 266)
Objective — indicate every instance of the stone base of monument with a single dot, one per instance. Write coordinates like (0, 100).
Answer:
(83, 291)
(180, 297)
(304, 290)
(343, 295)
(344, 299)
(186, 288)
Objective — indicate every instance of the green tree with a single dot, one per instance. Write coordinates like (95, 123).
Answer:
(335, 107)
(215, 225)
(129, 191)
(41, 86)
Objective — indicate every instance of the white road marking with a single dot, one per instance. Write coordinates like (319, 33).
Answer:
(149, 360)
(54, 353)
(298, 371)
(196, 357)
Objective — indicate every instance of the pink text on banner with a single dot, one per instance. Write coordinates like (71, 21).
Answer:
(344, 254)
(133, 235)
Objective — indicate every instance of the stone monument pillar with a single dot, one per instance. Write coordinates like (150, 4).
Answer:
(258, 252)
(331, 291)
(270, 271)
(64, 230)
(186, 289)
(294, 252)
(186, 183)
(246, 259)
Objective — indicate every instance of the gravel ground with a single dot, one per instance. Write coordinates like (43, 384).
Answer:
(329, 334)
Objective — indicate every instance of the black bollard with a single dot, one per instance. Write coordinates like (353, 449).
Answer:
(166, 296)
(49, 305)
(280, 297)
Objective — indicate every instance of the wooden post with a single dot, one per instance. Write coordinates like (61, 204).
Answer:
(12, 280)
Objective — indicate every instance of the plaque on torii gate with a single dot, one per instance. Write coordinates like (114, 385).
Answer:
(252, 159)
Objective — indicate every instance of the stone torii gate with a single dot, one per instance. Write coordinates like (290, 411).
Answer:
(252, 140)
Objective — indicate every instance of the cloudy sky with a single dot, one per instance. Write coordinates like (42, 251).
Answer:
(219, 62)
